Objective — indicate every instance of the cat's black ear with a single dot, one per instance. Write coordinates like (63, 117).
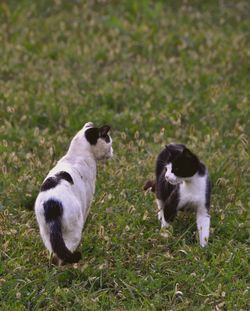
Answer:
(187, 153)
(190, 155)
(104, 130)
(92, 134)
(167, 151)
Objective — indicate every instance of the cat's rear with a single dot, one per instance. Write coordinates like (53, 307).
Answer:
(60, 219)
(53, 212)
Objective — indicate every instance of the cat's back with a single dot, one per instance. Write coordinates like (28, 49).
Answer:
(58, 184)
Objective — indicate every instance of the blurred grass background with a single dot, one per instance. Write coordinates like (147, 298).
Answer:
(158, 72)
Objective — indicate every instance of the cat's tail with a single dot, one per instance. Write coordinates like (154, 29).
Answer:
(150, 184)
(53, 213)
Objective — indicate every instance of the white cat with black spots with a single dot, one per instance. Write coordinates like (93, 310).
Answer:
(63, 204)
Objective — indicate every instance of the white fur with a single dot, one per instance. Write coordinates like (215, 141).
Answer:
(80, 163)
(193, 192)
(203, 225)
(170, 177)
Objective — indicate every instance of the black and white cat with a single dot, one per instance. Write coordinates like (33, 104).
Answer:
(182, 181)
(63, 203)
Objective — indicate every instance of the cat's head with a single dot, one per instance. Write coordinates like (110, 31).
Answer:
(182, 167)
(99, 139)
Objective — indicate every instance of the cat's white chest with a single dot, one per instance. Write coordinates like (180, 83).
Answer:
(193, 192)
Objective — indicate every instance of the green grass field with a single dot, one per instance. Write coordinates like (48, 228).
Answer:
(157, 72)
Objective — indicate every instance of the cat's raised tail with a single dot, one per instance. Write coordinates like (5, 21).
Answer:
(150, 184)
(53, 212)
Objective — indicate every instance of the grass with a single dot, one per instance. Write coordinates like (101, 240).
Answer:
(158, 72)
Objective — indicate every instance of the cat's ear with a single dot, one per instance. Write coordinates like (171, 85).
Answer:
(88, 124)
(187, 153)
(103, 131)
(92, 134)
(190, 155)
(168, 149)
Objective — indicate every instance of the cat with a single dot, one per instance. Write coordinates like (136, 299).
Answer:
(182, 181)
(63, 202)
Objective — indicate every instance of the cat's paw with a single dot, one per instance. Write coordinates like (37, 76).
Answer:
(55, 260)
(204, 242)
(77, 256)
(162, 220)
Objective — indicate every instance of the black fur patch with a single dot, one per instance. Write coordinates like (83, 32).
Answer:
(185, 164)
(107, 139)
(52, 182)
(49, 183)
(52, 210)
(92, 135)
(66, 176)
(163, 188)
(170, 206)
(103, 131)
(208, 194)
(202, 169)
